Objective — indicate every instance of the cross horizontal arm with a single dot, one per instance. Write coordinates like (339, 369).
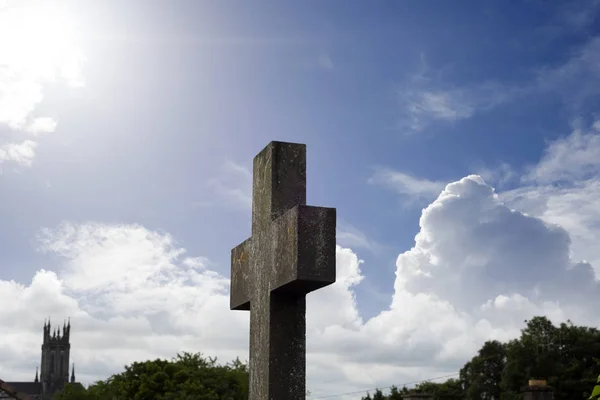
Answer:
(240, 276)
(304, 254)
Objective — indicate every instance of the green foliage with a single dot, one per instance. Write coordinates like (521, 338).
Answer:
(449, 390)
(563, 355)
(567, 356)
(396, 394)
(596, 390)
(73, 391)
(481, 376)
(188, 376)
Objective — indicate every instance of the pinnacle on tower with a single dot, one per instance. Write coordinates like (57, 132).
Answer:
(73, 374)
(45, 331)
(36, 375)
(68, 328)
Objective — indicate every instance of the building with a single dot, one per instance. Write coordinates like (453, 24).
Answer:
(54, 372)
(537, 389)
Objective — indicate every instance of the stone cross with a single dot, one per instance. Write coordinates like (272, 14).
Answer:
(291, 253)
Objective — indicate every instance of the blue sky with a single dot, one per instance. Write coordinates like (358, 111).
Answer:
(146, 116)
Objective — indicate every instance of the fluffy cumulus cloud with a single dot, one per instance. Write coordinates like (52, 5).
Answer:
(476, 271)
(21, 153)
(481, 263)
(563, 189)
(469, 241)
(494, 262)
(134, 294)
(131, 293)
(36, 48)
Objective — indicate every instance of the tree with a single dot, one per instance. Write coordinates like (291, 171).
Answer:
(567, 356)
(74, 391)
(188, 376)
(378, 395)
(396, 394)
(449, 390)
(596, 391)
(563, 355)
(481, 376)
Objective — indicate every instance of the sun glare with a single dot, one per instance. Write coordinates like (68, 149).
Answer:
(40, 42)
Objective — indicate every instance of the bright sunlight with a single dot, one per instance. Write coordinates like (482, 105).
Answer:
(37, 45)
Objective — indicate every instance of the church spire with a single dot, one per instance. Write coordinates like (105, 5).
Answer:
(73, 374)
(67, 329)
(36, 375)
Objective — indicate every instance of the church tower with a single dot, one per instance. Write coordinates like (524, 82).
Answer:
(54, 373)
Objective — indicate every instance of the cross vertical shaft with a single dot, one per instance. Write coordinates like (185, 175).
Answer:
(291, 253)
(278, 183)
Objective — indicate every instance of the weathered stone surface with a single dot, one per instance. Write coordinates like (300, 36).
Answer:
(291, 253)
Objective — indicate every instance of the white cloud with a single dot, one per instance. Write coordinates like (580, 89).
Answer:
(423, 106)
(572, 158)
(20, 153)
(563, 189)
(477, 269)
(577, 80)
(130, 293)
(499, 175)
(41, 125)
(36, 48)
(470, 241)
(406, 184)
(427, 102)
(133, 294)
(426, 98)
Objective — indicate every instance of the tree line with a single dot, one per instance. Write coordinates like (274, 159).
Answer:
(186, 377)
(566, 356)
